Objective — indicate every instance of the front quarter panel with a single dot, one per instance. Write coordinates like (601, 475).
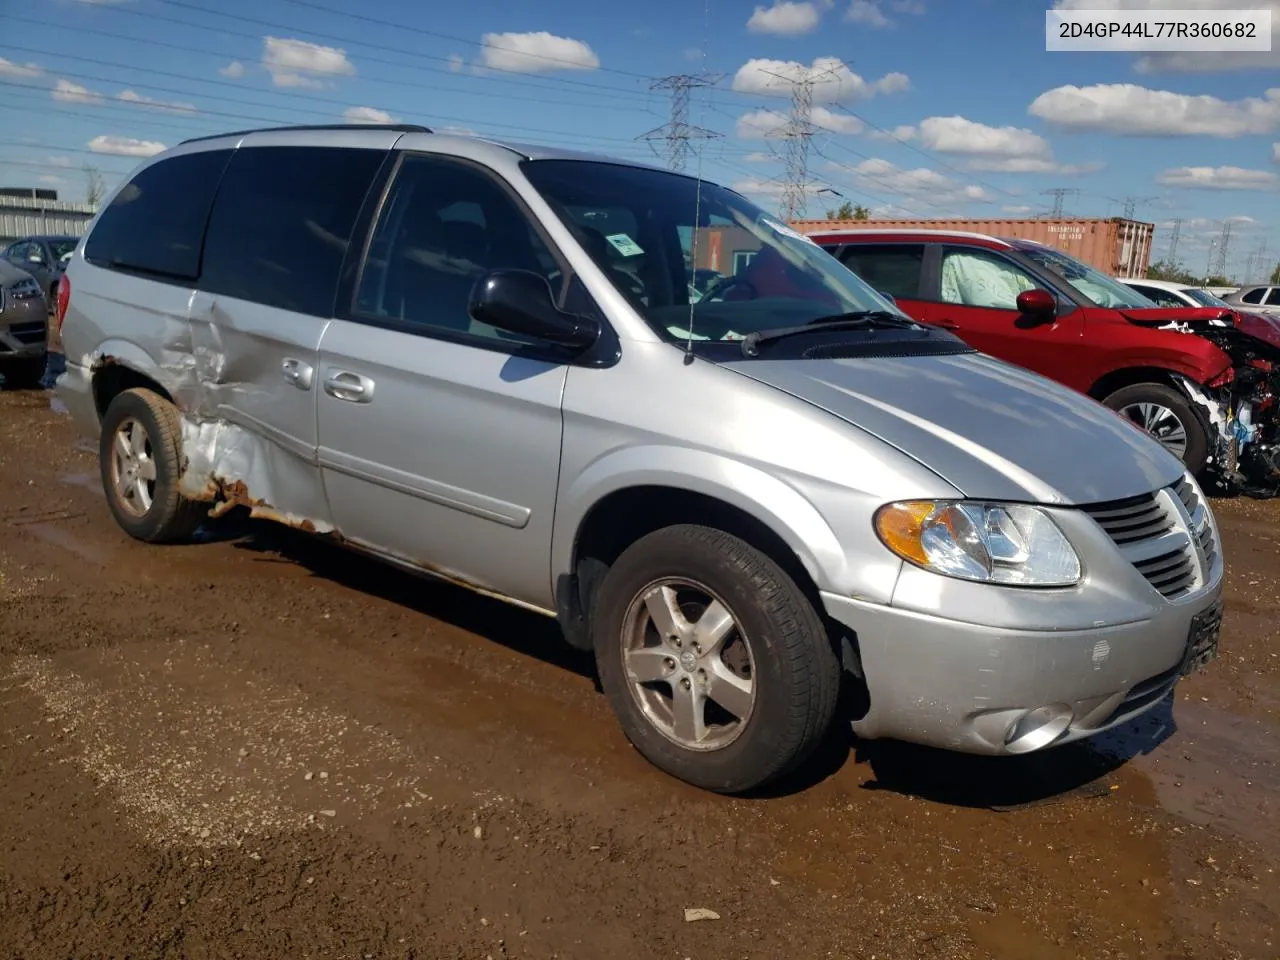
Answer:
(813, 479)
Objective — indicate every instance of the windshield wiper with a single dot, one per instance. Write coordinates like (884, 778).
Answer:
(854, 320)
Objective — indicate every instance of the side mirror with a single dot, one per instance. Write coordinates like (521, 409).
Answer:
(888, 296)
(1037, 304)
(521, 302)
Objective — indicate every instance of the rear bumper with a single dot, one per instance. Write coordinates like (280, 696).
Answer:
(990, 690)
(74, 388)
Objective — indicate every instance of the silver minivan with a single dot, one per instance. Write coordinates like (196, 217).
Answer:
(483, 361)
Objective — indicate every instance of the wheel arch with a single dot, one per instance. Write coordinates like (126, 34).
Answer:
(1130, 376)
(118, 365)
(617, 506)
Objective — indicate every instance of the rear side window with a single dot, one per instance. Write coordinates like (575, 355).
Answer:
(155, 223)
(895, 270)
(1254, 296)
(1165, 298)
(1273, 298)
(282, 224)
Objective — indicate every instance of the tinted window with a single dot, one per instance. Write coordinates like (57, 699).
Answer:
(154, 224)
(282, 223)
(1273, 298)
(894, 270)
(976, 278)
(444, 224)
(1254, 296)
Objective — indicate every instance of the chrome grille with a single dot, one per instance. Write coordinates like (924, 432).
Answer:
(1150, 533)
(1171, 573)
(1132, 520)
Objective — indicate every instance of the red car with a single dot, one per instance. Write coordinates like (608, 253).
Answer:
(1203, 381)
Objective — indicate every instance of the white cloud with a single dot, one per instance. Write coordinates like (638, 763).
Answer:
(903, 133)
(51, 178)
(64, 91)
(960, 135)
(761, 124)
(539, 52)
(367, 115)
(58, 161)
(1016, 209)
(1033, 165)
(1219, 178)
(692, 53)
(234, 70)
(835, 82)
(871, 12)
(1194, 62)
(1132, 110)
(23, 70)
(1275, 153)
(924, 184)
(297, 63)
(787, 18)
(759, 157)
(125, 146)
(456, 63)
(170, 106)
(868, 12)
(758, 188)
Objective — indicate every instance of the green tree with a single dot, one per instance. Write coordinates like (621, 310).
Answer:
(1163, 270)
(1275, 274)
(847, 211)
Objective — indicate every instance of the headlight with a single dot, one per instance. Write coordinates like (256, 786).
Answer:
(25, 289)
(1009, 544)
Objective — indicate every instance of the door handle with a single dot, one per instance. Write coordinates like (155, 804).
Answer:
(349, 386)
(298, 373)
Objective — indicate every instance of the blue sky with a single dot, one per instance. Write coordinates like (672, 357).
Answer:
(927, 107)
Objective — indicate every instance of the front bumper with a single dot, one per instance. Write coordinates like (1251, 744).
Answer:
(24, 328)
(994, 690)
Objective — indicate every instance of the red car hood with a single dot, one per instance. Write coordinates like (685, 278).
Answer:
(1258, 326)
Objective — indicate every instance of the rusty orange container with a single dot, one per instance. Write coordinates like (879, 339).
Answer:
(1114, 245)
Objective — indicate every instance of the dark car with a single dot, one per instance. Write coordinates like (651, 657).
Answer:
(44, 257)
(24, 328)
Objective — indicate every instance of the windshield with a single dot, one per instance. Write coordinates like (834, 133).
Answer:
(62, 249)
(1102, 290)
(1204, 297)
(702, 267)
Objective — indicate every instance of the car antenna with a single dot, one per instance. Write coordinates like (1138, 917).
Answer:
(697, 196)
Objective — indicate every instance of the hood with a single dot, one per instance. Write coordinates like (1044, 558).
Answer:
(992, 430)
(1157, 316)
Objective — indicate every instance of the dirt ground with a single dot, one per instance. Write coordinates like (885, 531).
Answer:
(261, 746)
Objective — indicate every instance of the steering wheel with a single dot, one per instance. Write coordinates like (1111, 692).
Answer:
(728, 283)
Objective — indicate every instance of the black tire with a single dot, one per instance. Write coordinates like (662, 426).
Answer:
(170, 517)
(1196, 454)
(796, 674)
(25, 373)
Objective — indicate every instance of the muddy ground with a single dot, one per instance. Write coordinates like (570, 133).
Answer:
(260, 746)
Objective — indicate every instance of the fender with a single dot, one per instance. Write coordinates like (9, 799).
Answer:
(778, 505)
(1201, 365)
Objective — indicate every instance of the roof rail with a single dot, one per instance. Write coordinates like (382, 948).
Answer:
(398, 127)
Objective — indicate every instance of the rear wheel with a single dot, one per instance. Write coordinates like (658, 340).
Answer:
(1169, 417)
(139, 455)
(25, 373)
(718, 667)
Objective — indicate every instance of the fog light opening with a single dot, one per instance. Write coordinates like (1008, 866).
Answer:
(1037, 728)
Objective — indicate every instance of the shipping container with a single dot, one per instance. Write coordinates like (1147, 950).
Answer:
(27, 216)
(1114, 245)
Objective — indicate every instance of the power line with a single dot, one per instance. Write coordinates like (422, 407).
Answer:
(678, 132)
(1131, 204)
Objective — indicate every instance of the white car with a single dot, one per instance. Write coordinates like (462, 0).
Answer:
(1167, 293)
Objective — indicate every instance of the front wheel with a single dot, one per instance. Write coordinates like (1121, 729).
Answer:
(1168, 416)
(716, 664)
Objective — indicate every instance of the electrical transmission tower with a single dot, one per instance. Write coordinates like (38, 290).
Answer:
(1173, 242)
(1256, 263)
(798, 132)
(1224, 243)
(1131, 204)
(1059, 194)
(677, 132)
